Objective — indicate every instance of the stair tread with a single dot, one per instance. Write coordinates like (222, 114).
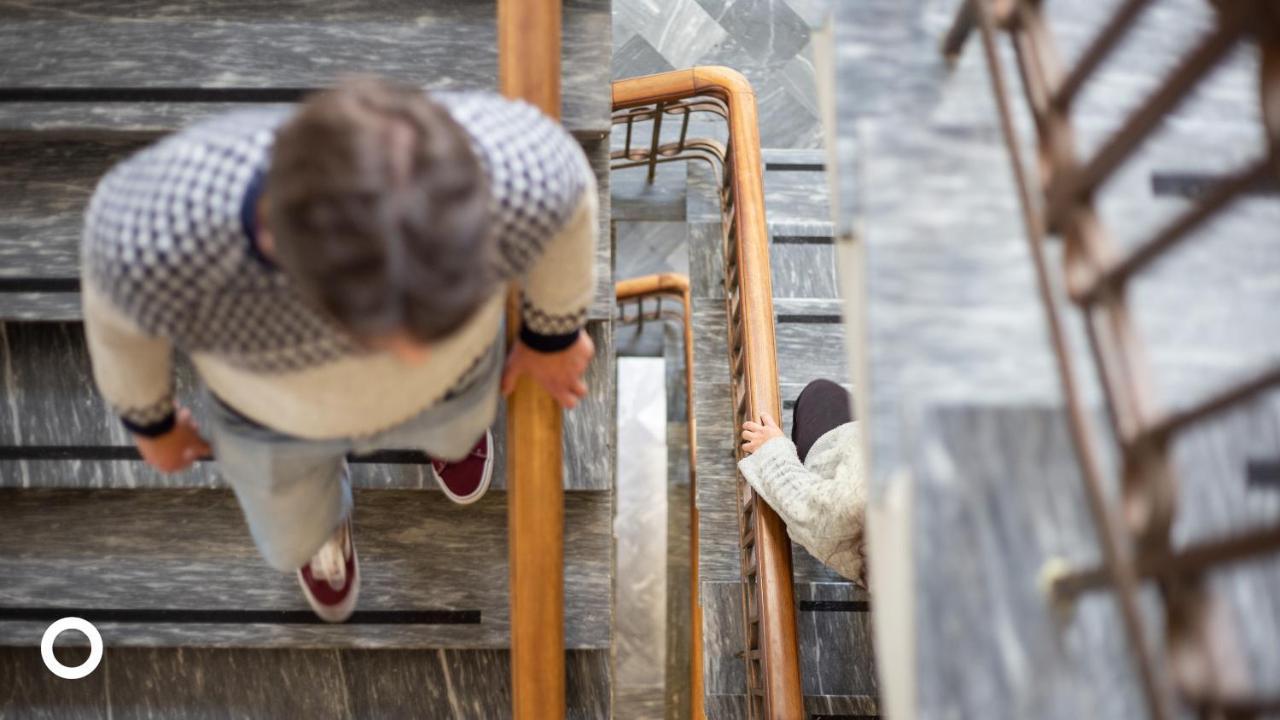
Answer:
(45, 186)
(320, 683)
(833, 622)
(59, 416)
(801, 325)
(234, 45)
(419, 552)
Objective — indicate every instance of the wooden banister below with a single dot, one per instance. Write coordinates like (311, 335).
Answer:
(750, 286)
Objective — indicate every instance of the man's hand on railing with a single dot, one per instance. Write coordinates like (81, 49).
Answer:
(177, 449)
(559, 373)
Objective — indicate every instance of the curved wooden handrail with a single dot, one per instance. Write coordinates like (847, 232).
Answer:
(773, 667)
(677, 286)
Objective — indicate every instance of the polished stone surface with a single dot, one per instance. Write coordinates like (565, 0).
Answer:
(767, 40)
(102, 550)
(151, 44)
(331, 684)
(28, 691)
(640, 525)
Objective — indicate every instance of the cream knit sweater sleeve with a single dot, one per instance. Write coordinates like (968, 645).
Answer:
(822, 501)
(133, 368)
(558, 287)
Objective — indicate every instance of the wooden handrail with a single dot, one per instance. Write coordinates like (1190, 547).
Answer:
(677, 286)
(767, 576)
(529, 69)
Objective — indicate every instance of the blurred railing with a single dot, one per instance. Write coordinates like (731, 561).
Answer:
(664, 289)
(1199, 645)
(772, 658)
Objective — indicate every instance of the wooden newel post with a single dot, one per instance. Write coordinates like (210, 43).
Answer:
(529, 68)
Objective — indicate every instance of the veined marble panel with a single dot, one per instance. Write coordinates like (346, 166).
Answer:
(30, 692)
(802, 326)
(640, 524)
(836, 652)
(199, 683)
(465, 684)
(191, 683)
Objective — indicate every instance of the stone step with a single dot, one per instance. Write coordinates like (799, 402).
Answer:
(151, 66)
(178, 568)
(45, 186)
(800, 326)
(58, 431)
(837, 665)
(816, 707)
(327, 684)
(802, 260)
(835, 645)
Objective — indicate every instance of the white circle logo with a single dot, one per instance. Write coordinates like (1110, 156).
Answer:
(95, 648)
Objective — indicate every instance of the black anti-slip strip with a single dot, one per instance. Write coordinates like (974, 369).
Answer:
(107, 452)
(803, 240)
(1192, 185)
(19, 285)
(157, 94)
(834, 606)
(844, 717)
(809, 319)
(795, 167)
(237, 617)
(1259, 473)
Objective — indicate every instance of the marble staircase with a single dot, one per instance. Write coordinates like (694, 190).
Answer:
(194, 622)
(833, 624)
(677, 222)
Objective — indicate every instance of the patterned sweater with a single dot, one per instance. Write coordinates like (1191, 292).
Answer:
(170, 260)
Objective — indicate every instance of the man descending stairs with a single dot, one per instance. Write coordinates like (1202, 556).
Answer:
(193, 620)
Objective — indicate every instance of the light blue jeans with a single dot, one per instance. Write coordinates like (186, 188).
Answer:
(295, 492)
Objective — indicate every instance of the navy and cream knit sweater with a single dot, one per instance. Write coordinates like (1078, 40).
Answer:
(170, 261)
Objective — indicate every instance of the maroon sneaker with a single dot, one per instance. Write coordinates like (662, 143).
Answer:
(467, 480)
(331, 581)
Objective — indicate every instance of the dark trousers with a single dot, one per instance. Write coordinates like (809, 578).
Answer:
(822, 407)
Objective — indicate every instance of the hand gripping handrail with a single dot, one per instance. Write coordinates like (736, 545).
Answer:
(771, 654)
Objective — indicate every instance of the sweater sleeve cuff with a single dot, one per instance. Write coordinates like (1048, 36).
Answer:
(547, 343)
(764, 468)
(154, 428)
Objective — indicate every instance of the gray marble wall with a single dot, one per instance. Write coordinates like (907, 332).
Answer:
(640, 529)
(965, 405)
(766, 40)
